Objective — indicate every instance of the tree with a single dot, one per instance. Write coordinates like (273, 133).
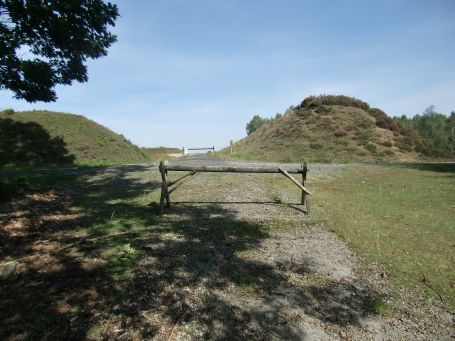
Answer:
(46, 43)
(255, 123)
(451, 131)
(432, 126)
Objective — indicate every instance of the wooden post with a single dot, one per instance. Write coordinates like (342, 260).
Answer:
(304, 170)
(164, 190)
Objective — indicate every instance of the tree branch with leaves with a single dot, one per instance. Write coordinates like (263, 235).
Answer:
(47, 43)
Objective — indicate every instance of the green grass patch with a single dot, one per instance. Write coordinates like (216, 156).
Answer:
(402, 217)
(244, 280)
(380, 307)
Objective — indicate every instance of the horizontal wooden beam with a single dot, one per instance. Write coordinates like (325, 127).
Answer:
(232, 169)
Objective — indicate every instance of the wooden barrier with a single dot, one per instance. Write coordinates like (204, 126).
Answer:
(168, 188)
(211, 149)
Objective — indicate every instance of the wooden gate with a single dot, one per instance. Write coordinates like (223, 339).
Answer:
(168, 188)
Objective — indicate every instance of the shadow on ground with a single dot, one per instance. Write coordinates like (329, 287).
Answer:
(296, 207)
(29, 144)
(159, 275)
(431, 166)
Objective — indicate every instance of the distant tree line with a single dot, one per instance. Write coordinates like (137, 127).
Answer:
(257, 121)
(437, 129)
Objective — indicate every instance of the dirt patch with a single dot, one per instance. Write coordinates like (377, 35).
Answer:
(306, 249)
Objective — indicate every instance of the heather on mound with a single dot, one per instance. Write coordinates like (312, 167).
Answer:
(44, 138)
(331, 129)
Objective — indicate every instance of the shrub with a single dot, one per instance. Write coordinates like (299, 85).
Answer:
(408, 140)
(326, 122)
(323, 109)
(400, 143)
(371, 148)
(8, 111)
(387, 144)
(365, 136)
(388, 152)
(382, 120)
(316, 101)
(387, 123)
(255, 123)
(375, 112)
(340, 132)
(365, 124)
(422, 149)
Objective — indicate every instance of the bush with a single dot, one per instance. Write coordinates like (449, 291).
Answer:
(387, 144)
(371, 148)
(365, 124)
(326, 122)
(388, 152)
(8, 111)
(387, 123)
(316, 101)
(340, 132)
(375, 112)
(365, 136)
(255, 123)
(400, 143)
(323, 109)
(422, 149)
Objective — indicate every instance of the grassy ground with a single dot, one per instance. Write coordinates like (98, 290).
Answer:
(402, 217)
(207, 268)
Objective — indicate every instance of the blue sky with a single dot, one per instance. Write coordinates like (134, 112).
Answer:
(194, 72)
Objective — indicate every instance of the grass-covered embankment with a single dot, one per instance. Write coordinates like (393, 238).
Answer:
(48, 139)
